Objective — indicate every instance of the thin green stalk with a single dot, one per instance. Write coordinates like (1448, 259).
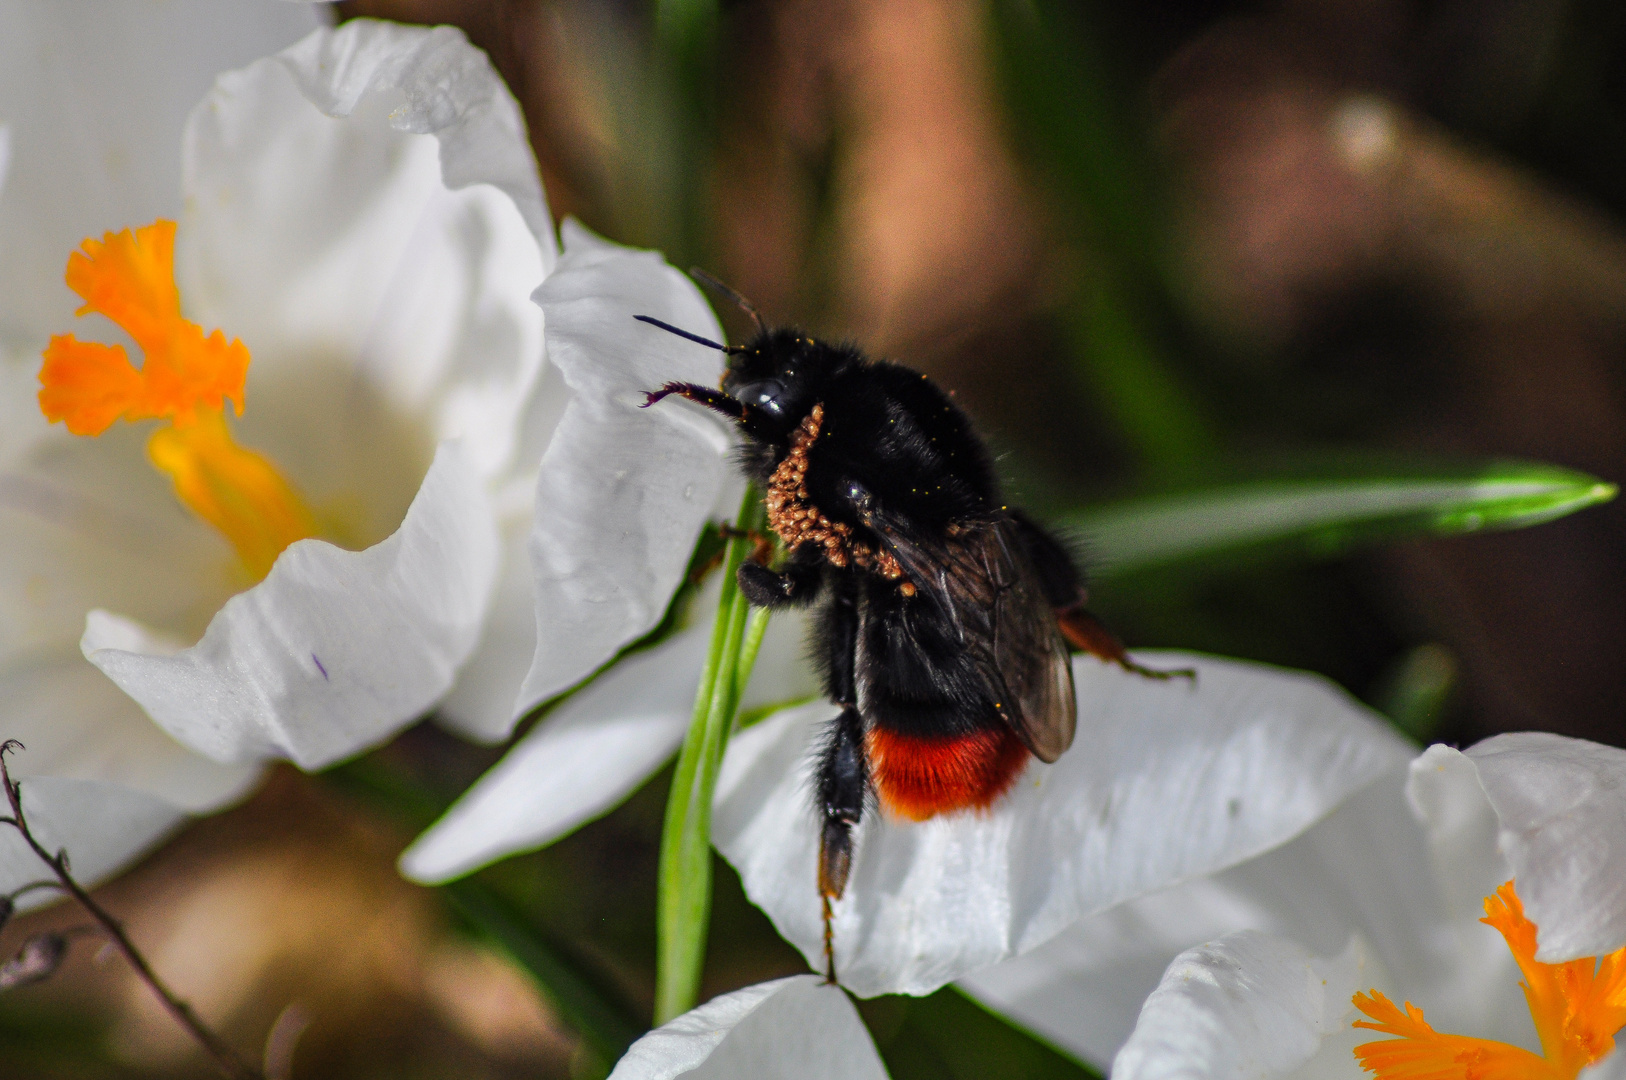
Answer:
(683, 915)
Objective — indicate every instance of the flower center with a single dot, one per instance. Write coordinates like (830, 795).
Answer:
(185, 378)
(1578, 1006)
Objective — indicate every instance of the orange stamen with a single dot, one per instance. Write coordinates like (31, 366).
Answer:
(186, 377)
(1578, 1006)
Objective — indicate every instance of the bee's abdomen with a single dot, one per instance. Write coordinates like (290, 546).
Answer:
(918, 777)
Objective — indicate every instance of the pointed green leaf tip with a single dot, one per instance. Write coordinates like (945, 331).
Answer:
(1329, 514)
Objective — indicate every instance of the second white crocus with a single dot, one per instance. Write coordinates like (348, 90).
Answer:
(789, 1029)
(1252, 971)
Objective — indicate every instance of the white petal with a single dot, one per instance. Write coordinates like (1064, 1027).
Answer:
(1447, 797)
(790, 1029)
(77, 725)
(95, 96)
(1249, 1005)
(104, 827)
(335, 650)
(1365, 870)
(622, 491)
(451, 91)
(594, 751)
(1167, 781)
(1562, 807)
(378, 263)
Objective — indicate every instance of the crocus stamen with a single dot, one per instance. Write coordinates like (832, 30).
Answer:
(1578, 1006)
(186, 378)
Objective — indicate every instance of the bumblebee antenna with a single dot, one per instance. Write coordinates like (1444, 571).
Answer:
(696, 338)
(739, 301)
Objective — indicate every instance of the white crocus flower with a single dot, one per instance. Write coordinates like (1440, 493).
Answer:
(1259, 964)
(363, 212)
(93, 99)
(791, 1029)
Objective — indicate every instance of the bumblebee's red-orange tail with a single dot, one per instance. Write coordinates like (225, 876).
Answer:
(918, 778)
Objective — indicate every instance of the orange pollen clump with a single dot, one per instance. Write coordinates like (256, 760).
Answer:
(1578, 1006)
(186, 378)
(799, 522)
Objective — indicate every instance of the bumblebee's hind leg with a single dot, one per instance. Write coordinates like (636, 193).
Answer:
(843, 785)
(1086, 633)
(843, 768)
(1063, 586)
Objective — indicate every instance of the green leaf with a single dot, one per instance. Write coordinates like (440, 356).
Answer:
(606, 1026)
(683, 912)
(1328, 515)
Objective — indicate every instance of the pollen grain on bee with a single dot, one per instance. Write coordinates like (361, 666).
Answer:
(797, 521)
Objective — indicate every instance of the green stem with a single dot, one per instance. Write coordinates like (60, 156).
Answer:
(683, 915)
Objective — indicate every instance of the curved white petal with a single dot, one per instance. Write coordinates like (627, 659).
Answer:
(75, 724)
(1366, 870)
(1561, 803)
(791, 1029)
(451, 91)
(622, 491)
(377, 257)
(95, 96)
(104, 827)
(1167, 781)
(596, 749)
(1249, 1006)
(579, 763)
(335, 650)
(1448, 799)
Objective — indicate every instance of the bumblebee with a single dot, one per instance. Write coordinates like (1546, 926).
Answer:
(943, 616)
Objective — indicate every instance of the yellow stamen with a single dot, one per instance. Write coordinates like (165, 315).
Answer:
(186, 378)
(1578, 1006)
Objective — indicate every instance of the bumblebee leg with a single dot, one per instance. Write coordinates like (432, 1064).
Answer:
(844, 767)
(797, 583)
(843, 783)
(1086, 633)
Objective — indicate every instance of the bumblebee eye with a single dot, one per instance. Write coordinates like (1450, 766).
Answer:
(765, 395)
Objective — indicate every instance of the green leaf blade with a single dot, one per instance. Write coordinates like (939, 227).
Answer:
(683, 913)
(1329, 515)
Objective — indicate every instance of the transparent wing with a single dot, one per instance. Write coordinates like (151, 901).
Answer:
(988, 590)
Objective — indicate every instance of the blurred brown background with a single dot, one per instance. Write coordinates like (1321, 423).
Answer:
(1138, 240)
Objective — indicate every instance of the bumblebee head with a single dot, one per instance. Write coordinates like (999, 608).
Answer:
(768, 386)
(779, 377)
